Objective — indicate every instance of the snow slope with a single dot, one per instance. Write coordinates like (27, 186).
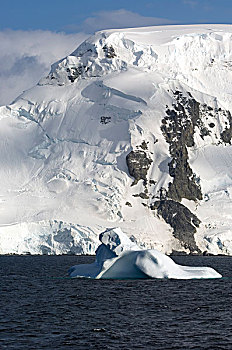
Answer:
(131, 130)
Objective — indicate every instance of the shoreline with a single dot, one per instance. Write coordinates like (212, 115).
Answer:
(176, 254)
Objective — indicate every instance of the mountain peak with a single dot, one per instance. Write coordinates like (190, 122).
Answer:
(99, 55)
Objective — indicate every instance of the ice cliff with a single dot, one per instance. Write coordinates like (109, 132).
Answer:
(133, 130)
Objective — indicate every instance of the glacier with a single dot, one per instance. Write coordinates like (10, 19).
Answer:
(133, 129)
(119, 258)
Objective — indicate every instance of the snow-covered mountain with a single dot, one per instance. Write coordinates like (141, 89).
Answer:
(132, 130)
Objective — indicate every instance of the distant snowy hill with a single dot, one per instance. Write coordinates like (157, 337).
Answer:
(132, 130)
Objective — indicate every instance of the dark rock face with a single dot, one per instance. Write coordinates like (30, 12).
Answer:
(211, 125)
(184, 184)
(178, 128)
(182, 221)
(105, 120)
(226, 135)
(109, 51)
(138, 163)
(144, 145)
(75, 72)
(81, 70)
(179, 125)
(142, 195)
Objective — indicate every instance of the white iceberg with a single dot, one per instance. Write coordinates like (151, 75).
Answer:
(120, 258)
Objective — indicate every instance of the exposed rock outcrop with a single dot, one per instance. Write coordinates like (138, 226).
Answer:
(178, 129)
(109, 51)
(138, 163)
(226, 135)
(180, 218)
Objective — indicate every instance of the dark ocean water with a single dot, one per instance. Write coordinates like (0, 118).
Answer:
(40, 308)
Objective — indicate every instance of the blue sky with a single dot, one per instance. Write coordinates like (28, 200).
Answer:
(36, 33)
(79, 15)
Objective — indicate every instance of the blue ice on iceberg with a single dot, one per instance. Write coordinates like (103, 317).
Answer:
(120, 258)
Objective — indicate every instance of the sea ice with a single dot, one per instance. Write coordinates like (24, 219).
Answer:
(120, 258)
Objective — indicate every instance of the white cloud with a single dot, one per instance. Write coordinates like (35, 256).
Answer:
(120, 19)
(191, 3)
(26, 56)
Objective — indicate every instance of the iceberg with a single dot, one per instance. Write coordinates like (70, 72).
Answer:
(120, 258)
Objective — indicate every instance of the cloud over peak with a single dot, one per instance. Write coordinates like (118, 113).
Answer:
(26, 56)
(120, 19)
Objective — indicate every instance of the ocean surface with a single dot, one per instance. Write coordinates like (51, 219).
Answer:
(41, 308)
